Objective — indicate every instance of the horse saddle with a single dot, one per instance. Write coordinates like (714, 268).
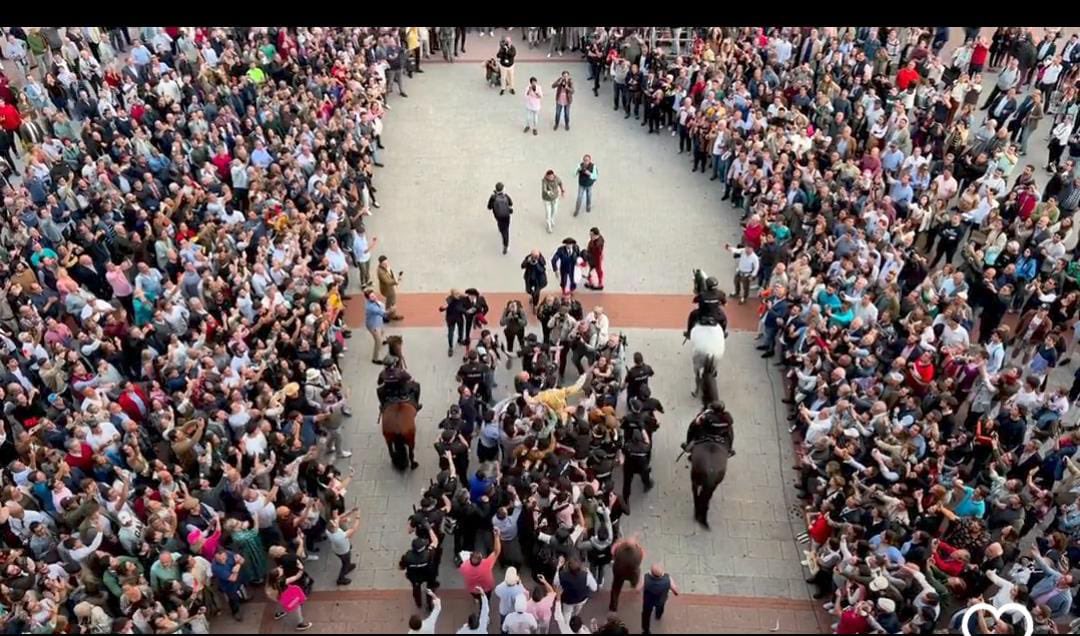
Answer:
(707, 320)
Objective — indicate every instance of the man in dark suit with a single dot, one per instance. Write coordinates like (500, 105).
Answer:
(86, 274)
(1016, 124)
(1002, 107)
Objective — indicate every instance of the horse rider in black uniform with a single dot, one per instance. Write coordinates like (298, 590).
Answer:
(396, 385)
(713, 423)
(710, 308)
(637, 455)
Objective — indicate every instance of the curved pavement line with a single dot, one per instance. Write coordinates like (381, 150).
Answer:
(625, 311)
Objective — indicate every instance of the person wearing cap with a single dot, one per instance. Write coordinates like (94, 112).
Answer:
(508, 592)
(520, 621)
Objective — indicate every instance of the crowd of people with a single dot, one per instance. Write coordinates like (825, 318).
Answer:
(182, 211)
(918, 285)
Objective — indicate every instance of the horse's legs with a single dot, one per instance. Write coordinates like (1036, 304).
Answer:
(409, 442)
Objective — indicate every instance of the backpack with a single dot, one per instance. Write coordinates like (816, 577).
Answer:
(500, 206)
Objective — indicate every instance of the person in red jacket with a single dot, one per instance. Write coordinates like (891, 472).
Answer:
(134, 402)
(80, 456)
(906, 76)
(978, 56)
(10, 119)
(853, 620)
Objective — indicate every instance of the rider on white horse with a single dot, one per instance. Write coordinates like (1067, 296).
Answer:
(710, 307)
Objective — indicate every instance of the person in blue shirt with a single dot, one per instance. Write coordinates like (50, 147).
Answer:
(479, 484)
(227, 569)
(891, 160)
(827, 298)
(972, 501)
(374, 319)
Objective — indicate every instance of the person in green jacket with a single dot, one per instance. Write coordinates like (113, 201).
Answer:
(39, 49)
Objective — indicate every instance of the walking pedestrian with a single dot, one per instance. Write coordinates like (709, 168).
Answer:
(446, 43)
(427, 625)
(564, 96)
(637, 454)
(341, 541)
(501, 206)
(654, 595)
(535, 275)
(533, 100)
(460, 34)
(374, 319)
(506, 56)
(587, 175)
(626, 557)
(595, 253)
(453, 308)
(551, 190)
(388, 284)
(564, 262)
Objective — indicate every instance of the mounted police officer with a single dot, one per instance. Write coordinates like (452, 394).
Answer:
(713, 423)
(710, 307)
(396, 385)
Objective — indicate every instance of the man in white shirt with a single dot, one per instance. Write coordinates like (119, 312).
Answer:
(745, 271)
(600, 319)
(477, 623)
(946, 186)
(820, 424)
(519, 621)
(427, 625)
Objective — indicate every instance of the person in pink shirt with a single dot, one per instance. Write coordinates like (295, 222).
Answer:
(533, 97)
(541, 603)
(123, 290)
(477, 571)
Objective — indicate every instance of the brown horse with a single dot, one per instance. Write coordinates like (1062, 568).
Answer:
(399, 431)
(394, 347)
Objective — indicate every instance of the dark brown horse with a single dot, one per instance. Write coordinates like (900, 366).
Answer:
(399, 431)
(394, 347)
(708, 465)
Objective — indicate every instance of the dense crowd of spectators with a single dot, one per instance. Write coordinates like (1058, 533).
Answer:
(181, 211)
(893, 228)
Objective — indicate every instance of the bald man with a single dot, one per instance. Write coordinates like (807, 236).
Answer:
(654, 594)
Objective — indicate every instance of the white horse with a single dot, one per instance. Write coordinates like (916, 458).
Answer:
(707, 341)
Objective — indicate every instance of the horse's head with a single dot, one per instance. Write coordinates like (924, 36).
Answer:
(699, 281)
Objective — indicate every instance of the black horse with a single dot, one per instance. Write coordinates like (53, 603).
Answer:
(708, 457)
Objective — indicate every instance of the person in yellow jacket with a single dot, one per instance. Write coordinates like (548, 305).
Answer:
(412, 45)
